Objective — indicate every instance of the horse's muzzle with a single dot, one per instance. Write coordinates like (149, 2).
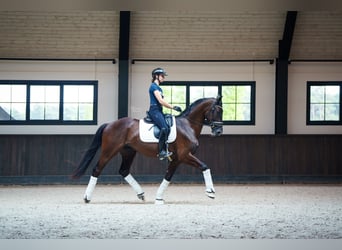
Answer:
(216, 129)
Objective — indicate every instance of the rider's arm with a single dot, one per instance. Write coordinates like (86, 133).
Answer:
(161, 100)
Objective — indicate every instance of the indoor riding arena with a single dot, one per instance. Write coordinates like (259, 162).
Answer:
(257, 148)
(248, 211)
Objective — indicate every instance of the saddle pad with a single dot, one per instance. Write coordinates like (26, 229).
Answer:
(147, 135)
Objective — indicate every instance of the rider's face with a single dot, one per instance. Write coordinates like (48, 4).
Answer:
(161, 78)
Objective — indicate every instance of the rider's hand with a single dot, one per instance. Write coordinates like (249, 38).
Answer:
(178, 109)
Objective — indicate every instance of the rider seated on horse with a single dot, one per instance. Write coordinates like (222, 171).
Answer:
(157, 103)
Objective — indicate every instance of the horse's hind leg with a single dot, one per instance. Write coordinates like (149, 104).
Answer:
(128, 155)
(91, 185)
(90, 189)
(105, 157)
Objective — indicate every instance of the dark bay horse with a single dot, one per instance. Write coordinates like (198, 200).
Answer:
(122, 136)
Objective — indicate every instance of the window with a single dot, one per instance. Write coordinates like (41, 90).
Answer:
(44, 102)
(48, 102)
(175, 95)
(238, 98)
(236, 103)
(12, 102)
(78, 102)
(323, 103)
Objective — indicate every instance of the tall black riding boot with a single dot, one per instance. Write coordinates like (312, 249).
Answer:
(163, 152)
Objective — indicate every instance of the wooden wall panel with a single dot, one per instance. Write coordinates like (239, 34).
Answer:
(230, 157)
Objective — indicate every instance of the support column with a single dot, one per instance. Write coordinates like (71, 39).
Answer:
(123, 63)
(282, 74)
(281, 96)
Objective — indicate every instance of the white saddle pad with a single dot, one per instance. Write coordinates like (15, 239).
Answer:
(147, 135)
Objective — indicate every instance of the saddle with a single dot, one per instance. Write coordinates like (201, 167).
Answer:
(149, 132)
(168, 119)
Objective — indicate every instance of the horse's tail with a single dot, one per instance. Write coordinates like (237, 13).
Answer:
(89, 155)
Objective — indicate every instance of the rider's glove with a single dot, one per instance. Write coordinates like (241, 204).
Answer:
(178, 109)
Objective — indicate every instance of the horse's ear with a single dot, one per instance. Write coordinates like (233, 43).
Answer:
(218, 98)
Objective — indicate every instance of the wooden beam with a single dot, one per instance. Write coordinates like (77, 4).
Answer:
(282, 74)
(123, 63)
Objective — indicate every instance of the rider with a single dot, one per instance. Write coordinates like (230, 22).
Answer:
(156, 110)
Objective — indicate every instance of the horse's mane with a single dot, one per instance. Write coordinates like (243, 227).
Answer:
(192, 106)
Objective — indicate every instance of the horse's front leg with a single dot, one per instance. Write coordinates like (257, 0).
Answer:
(136, 187)
(160, 192)
(209, 186)
(166, 181)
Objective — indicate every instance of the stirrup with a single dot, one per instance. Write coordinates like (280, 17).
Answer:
(166, 155)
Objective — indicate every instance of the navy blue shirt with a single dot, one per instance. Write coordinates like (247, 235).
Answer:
(153, 99)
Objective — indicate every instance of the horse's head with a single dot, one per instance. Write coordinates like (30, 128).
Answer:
(213, 117)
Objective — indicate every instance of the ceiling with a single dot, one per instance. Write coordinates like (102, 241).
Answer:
(183, 35)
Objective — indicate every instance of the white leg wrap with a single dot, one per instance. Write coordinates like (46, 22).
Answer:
(90, 188)
(209, 186)
(160, 192)
(134, 184)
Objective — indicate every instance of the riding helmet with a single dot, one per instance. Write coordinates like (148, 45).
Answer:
(159, 71)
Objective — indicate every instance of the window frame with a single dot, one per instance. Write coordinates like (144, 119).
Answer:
(308, 103)
(61, 85)
(220, 84)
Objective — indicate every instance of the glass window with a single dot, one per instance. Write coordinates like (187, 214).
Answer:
(78, 103)
(48, 102)
(324, 101)
(237, 102)
(175, 96)
(44, 102)
(12, 102)
(197, 92)
(238, 98)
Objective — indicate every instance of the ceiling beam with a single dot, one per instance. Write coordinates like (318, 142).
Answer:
(286, 42)
(282, 74)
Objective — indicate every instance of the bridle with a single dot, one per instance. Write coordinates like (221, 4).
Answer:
(209, 115)
(210, 122)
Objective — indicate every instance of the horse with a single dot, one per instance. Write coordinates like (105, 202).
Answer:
(122, 136)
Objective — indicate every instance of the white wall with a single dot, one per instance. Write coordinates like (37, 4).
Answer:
(299, 74)
(261, 72)
(107, 75)
(104, 72)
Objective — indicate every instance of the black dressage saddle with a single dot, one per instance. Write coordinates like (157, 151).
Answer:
(156, 130)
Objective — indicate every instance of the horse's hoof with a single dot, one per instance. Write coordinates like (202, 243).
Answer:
(159, 202)
(86, 200)
(141, 196)
(210, 194)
